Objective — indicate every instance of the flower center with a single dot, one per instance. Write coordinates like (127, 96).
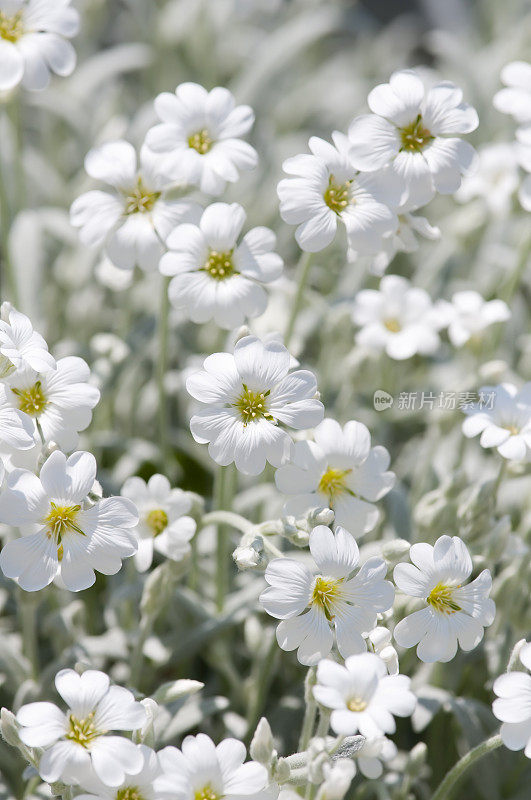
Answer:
(11, 27)
(325, 592)
(356, 704)
(207, 793)
(140, 199)
(129, 793)
(157, 521)
(392, 325)
(333, 483)
(33, 400)
(200, 141)
(253, 406)
(336, 195)
(60, 520)
(82, 731)
(440, 598)
(512, 428)
(415, 136)
(219, 265)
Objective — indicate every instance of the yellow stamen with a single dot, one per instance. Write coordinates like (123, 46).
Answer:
(393, 325)
(140, 199)
(440, 598)
(334, 483)
(207, 793)
(324, 594)
(219, 265)
(82, 731)
(60, 520)
(253, 406)
(157, 521)
(11, 26)
(415, 136)
(33, 400)
(336, 195)
(200, 141)
(356, 704)
(129, 793)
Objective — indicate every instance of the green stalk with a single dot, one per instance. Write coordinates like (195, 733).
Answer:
(223, 492)
(162, 363)
(311, 710)
(445, 787)
(27, 610)
(303, 271)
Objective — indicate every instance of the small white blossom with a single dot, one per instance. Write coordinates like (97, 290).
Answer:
(247, 395)
(412, 130)
(403, 240)
(202, 130)
(135, 786)
(133, 221)
(77, 743)
(60, 400)
(373, 752)
(72, 539)
(513, 705)
(163, 525)
(214, 276)
(326, 189)
(398, 318)
(362, 696)
(468, 315)
(339, 470)
(20, 346)
(311, 606)
(515, 99)
(503, 418)
(495, 180)
(455, 611)
(33, 42)
(203, 770)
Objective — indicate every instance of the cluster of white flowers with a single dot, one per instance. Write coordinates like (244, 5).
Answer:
(298, 483)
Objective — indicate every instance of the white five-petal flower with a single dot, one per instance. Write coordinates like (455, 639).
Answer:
(135, 786)
(339, 470)
(312, 605)
(412, 130)
(455, 611)
(247, 395)
(469, 314)
(362, 696)
(20, 346)
(202, 132)
(33, 42)
(63, 534)
(503, 419)
(207, 771)
(133, 221)
(163, 525)
(398, 318)
(77, 742)
(325, 189)
(513, 705)
(515, 99)
(214, 276)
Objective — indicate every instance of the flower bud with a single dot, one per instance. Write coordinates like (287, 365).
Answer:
(395, 550)
(261, 747)
(249, 554)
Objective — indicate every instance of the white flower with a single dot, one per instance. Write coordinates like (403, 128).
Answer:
(516, 98)
(202, 132)
(60, 400)
(403, 240)
(209, 772)
(311, 606)
(503, 418)
(134, 219)
(380, 642)
(33, 42)
(215, 277)
(398, 318)
(469, 314)
(135, 786)
(339, 470)
(71, 538)
(338, 776)
(411, 130)
(362, 695)
(495, 180)
(513, 705)
(16, 429)
(20, 346)
(162, 525)
(454, 612)
(247, 395)
(78, 740)
(326, 189)
(373, 751)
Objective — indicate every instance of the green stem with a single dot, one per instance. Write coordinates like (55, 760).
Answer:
(311, 709)
(27, 609)
(161, 373)
(227, 518)
(223, 491)
(303, 271)
(445, 787)
(499, 479)
(261, 684)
